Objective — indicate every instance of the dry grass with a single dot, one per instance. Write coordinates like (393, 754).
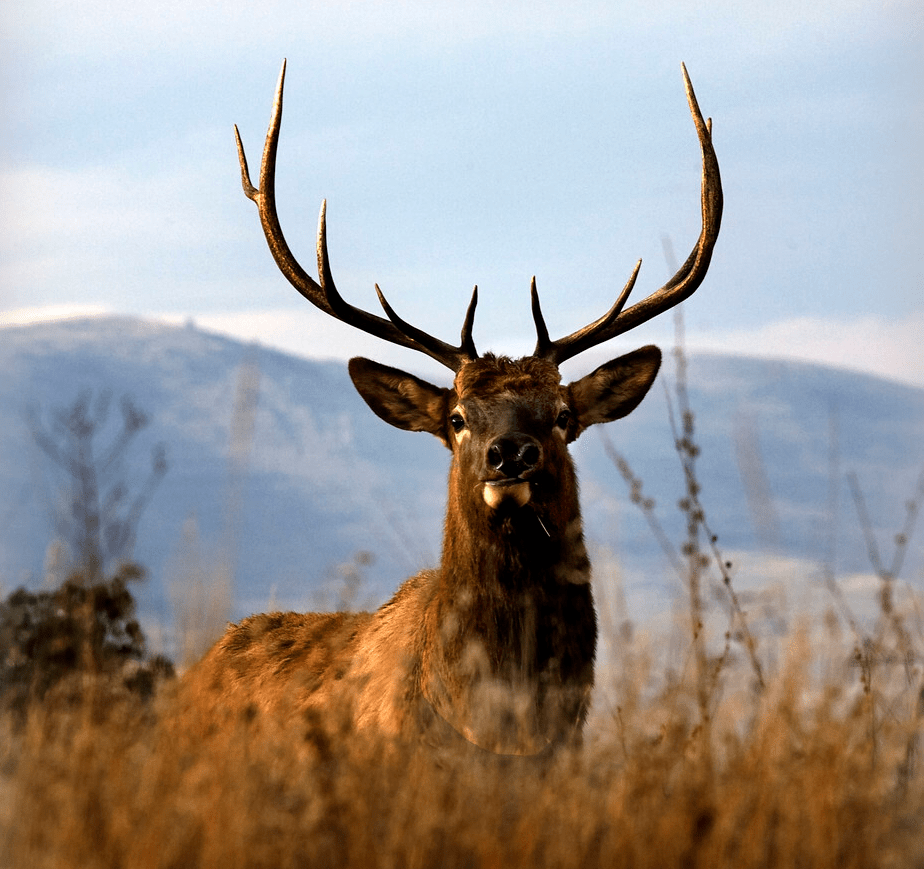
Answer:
(810, 771)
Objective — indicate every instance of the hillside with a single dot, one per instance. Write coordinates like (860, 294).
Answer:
(324, 480)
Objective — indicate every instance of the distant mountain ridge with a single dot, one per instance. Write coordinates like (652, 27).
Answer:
(324, 480)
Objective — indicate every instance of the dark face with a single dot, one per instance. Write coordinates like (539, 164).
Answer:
(509, 425)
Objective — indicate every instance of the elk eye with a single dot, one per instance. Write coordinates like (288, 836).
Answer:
(457, 422)
(564, 418)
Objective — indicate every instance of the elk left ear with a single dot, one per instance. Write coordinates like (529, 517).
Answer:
(615, 389)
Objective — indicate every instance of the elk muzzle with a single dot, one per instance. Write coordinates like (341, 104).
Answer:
(514, 457)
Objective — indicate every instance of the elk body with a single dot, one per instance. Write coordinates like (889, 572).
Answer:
(496, 645)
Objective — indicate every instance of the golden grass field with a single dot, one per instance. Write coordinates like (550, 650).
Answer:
(696, 766)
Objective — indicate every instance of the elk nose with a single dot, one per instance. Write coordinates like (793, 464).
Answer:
(515, 455)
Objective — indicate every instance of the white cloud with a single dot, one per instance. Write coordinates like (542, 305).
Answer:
(888, 348)
(47, 313)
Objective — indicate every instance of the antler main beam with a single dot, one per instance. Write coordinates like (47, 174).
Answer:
(324, 295)
(681, 286)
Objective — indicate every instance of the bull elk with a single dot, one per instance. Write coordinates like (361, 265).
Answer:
(497, 643)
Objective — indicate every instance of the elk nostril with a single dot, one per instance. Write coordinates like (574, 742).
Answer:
(495, 457)
(529, 455)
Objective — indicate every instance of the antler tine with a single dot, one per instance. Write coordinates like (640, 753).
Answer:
(454, 357)
(681, 286)
(325, 295)
(584, 338)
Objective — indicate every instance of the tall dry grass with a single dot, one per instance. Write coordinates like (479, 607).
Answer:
(788, 776)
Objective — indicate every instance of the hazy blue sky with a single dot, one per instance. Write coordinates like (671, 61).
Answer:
(472, 142)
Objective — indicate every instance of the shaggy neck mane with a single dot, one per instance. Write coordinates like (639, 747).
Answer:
(511, 579)
(512, 611)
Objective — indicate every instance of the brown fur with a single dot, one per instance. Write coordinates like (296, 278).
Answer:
(497, 644)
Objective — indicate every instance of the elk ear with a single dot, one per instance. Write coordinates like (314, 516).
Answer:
(399, 398)
(615, 389)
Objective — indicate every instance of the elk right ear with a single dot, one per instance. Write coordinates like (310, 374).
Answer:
(401, 399)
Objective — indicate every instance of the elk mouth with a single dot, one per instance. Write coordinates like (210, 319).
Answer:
(515, 489)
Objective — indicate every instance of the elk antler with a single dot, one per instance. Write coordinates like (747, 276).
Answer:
(681, 286)
(325, 295)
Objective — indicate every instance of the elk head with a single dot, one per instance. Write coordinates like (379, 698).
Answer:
(508, 423)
